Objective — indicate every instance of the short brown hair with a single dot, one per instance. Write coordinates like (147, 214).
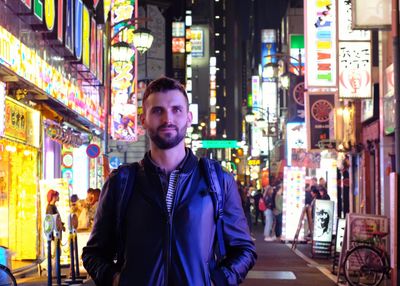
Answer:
(163, 84)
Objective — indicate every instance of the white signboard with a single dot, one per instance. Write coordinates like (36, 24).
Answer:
(346, 32)
(372, 14)
(323, 220)
(293, 200)
(320, 41)
(355, 70)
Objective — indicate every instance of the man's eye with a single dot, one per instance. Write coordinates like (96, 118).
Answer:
(156, 110)
(177, 109)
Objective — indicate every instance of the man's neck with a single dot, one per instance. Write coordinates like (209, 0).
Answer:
(168, 159)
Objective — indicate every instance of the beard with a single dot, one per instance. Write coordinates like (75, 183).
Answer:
(168, 140)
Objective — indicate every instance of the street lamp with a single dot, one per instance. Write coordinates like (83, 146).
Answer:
(250, 118)
(124, 38)
(272, 70)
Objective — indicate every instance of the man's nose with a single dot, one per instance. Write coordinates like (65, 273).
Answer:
(167, 118)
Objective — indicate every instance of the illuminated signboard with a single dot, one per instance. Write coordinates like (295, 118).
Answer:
(255, 90)
(354, 56)
(123, 76)
(2, 107)
(345, 22)
(297, 52)
(293, 200)
(15, 120)
(296, 138)
(178, 29)
(197, 40)
(213, 96)
(355, 70)
(178, 45)
(320, 43)
(23, 60)
(254, 162)
(219, 144)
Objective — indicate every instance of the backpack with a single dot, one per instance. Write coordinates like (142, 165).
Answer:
(261, 205)
(214, 177)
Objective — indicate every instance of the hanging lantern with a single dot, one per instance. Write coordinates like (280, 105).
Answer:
(122, 52)
(142, 39)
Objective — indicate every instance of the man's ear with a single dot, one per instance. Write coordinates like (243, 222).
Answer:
(189, 119)
(142, 117)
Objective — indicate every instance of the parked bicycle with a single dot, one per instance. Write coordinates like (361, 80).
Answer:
(6, 277)
(366, 263)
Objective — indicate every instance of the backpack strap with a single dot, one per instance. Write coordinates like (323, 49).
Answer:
(126, 179)
(214, 178)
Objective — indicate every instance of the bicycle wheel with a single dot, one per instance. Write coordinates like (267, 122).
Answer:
(364, 266)
(6, 278)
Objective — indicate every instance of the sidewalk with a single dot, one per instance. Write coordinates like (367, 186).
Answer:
(278, 265)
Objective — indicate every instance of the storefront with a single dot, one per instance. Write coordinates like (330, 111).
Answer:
(52, 112)
(19, 171)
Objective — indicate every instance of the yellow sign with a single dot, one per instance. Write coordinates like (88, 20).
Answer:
(254, 162)
(15, 120)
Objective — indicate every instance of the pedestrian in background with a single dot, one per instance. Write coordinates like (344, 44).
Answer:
(167, 231)
(269, 216)
(278, 212)
(258, 213)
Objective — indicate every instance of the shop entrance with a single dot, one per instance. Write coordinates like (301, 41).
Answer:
(18, 199)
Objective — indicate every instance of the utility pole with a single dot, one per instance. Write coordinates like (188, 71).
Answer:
(396, 83)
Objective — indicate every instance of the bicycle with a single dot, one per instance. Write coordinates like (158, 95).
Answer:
(6, 277)
(367, 262)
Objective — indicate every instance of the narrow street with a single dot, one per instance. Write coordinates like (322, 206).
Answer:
(277, 265)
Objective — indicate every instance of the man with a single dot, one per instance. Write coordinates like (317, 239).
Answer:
(169, 231)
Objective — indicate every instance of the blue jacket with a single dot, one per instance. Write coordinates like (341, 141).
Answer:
(162, 249)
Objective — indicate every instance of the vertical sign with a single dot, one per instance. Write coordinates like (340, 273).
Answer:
(2, 107)
(354, 56)
(320, 43)
(319, 106)
(293, 200)
(123, 74)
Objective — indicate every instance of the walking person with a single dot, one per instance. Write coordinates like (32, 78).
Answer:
(269, 216)
(167, 233)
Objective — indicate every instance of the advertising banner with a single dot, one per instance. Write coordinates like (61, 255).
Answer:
(355, 70)
(296, 98)
(302, 158)
(320, 43)
(323, 220)
(362, 226)
(319, 107)
(293, 200)
(323, 227)
(296, 138)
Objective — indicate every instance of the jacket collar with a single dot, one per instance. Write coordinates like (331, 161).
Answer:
(185, 167)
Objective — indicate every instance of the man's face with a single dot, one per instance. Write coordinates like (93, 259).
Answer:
(166, 118)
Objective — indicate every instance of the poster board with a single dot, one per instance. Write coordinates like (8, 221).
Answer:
(323, 227)
(361, 227)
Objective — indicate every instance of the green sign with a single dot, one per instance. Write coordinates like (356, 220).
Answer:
(297, 41)
(209, 144)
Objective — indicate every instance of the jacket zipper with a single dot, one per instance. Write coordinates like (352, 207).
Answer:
(169, 233)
